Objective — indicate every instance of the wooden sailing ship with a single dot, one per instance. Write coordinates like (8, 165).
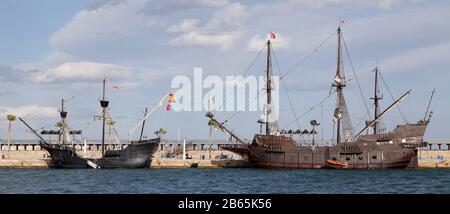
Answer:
(395, 149)
(135, 154)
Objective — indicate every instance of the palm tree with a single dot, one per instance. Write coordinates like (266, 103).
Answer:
(313, 132)
(10, 118)
(160, 132)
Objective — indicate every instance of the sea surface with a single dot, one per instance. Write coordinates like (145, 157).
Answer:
(223, 181)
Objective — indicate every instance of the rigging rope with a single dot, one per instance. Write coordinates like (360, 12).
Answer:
(245, 74)
(312, 108)
(362, 119)
(236, 113)
(309, 55)
(356, 77)
(287, 94)
(279, 69)
(392, 97)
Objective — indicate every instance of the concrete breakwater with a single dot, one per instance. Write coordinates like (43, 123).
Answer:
(40, 159)
(156, 163)
(434, 159)
(197, 154)
(196, 159)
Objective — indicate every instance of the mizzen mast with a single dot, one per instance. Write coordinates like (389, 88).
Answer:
(376, 99)
(143, 125)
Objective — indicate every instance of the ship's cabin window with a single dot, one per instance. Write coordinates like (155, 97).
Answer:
(374, 157)
(360, 157)
(333, 158)
(347, 158)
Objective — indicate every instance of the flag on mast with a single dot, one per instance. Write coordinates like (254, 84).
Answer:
(272, 35)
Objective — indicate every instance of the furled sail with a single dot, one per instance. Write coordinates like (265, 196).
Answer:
(347, 127)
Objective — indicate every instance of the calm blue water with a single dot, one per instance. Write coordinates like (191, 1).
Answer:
(223, 181)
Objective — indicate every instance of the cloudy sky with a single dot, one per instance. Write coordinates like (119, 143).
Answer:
(52, 49)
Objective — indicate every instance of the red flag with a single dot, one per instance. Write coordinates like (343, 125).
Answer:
(272, 35)
(168, 107)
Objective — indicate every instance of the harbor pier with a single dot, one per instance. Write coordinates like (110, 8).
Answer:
(435, 155)
(170, 154)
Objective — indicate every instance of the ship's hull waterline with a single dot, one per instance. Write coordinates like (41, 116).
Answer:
(136, 155)
(382, 151)
(319, 161)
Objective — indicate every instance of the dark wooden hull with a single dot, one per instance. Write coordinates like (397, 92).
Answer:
(65, 157)
(136, 155)
(382, 151)
(319, 164)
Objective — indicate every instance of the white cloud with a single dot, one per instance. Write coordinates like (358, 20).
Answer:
(222, 28)
(165, 7)
(81, 72)
(88, 28)
(34, 111)
(223, 40)
(258, 41)
(410, 26)
(185, 26)
(228, 18)
(384, 4)
(419, 59)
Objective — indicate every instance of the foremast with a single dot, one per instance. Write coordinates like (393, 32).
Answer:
(271, 123)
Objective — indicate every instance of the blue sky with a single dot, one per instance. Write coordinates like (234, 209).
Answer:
(53, 49)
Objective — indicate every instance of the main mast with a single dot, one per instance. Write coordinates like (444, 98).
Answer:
(104, 104)
(339, 84)
(268, 86)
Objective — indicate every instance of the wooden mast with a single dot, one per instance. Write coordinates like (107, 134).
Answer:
(338, 84)
(376, 98)
(63, 115)
(384, 112)
(143, 124)
(268, 86)
(104, 104)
